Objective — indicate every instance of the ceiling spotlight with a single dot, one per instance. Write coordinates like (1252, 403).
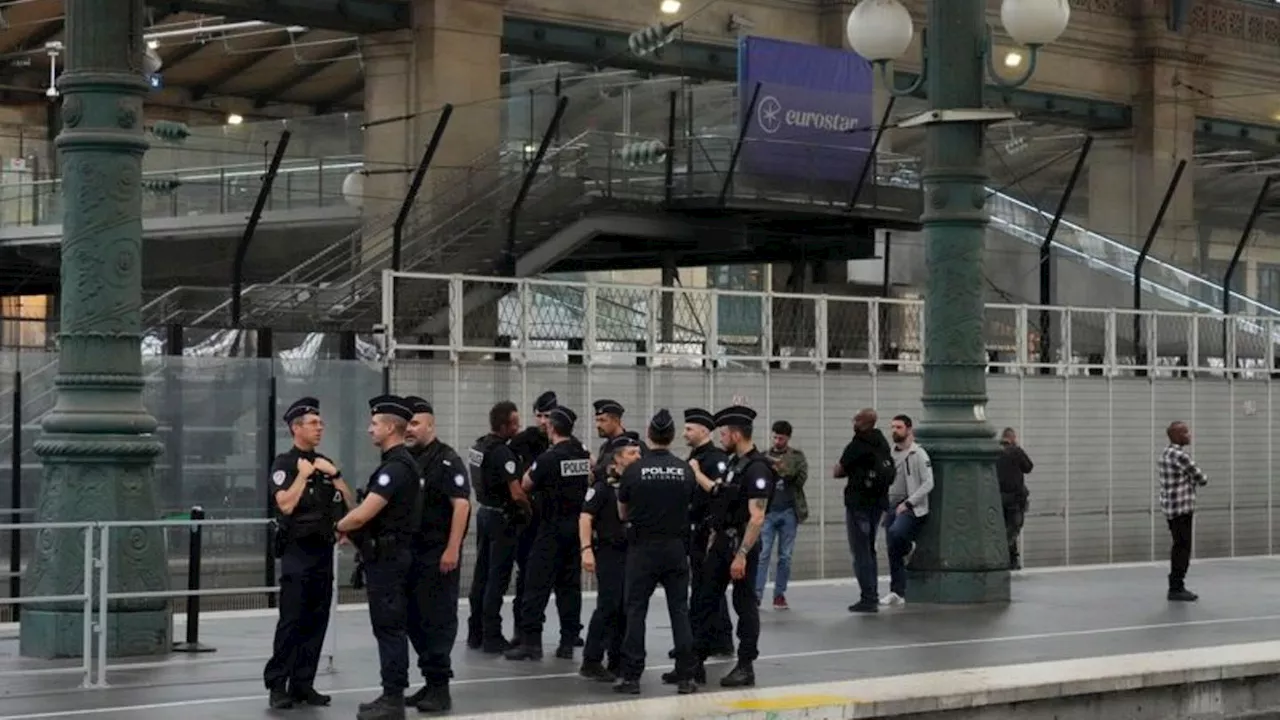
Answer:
(234, 119)
(670, 7)
(1012, 59)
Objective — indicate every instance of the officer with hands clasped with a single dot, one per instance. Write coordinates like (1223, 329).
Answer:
(604, 552)
(308, 495)
(382, 526)
(699, 424)
(653, 499)
(502, 515)
(561, 476)
(738, 507)
(437, 552)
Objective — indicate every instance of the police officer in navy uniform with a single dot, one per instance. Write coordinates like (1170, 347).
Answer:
(609, 426)
(604, 553)
(437, 553)
(561, 475)
(653, 499)
(382, 526)
(528, 444)
(699, 424)
(502, 514)
(738, 506)
(309, 496)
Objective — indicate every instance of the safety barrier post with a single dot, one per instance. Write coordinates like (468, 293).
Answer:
(86, 636)
(194, 553)
(104, 574)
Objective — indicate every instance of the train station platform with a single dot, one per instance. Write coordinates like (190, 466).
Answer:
(1093, 630)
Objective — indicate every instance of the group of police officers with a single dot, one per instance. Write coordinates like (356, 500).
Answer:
(635, 515)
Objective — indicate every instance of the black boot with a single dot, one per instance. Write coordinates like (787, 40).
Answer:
(524, 652)
(627, 687)
(565, 651)
(496, 646)
(596, 671)
(279, 700)
(309, 696)
(699, 675)
(437, 700)
(416, 697)
(742, 675)
(385, 707)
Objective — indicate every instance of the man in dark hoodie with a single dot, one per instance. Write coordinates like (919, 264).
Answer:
(868, 468)
(1011, 471)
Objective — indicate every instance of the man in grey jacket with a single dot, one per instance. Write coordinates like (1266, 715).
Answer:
(909, 503)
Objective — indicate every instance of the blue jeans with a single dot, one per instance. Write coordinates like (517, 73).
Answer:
(900, 531)
(783, 525)
(861, 525)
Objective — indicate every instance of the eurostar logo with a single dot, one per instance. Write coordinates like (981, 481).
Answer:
(769, 114)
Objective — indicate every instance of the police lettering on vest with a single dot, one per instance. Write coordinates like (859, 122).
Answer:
(562, 475)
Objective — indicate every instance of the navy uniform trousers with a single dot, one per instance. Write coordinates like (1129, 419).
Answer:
(650, 564)
(306, 596)
(433, 613)
(555, 563)
(387, 580)
(496, 544)
(608, 623)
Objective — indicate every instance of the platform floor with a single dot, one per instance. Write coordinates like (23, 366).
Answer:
(1056, 614)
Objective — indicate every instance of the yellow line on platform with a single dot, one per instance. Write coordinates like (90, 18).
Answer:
(791, 702)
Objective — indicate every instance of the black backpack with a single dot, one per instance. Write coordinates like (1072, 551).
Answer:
(879, 477)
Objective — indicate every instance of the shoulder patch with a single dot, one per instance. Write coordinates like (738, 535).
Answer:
(510, 467)
(384, 480)
(591, 492)
(761, 483)
(277, 477)
(721, 465)
(534, 466)
(446, 462)
(459, 480)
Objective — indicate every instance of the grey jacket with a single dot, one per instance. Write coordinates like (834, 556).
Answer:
(913, 480)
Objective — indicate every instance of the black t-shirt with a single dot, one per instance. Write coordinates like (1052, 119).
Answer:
(865, 454)
(527, 445)
(657, 489)
(714, 464)
(397, 481)
(494, 465)
(754, 474)
(601, 503)
(319, 508)
(444, 480)
(561, 476)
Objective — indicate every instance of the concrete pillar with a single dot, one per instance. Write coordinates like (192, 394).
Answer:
(451, 55)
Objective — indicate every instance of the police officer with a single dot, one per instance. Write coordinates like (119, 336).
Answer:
(738, 506)
(503, 511)
(654, 499)
(382, 526)
(604, 552)
(699, 424)
(528, 444)
(561, 475)
(308, 495)
(609, 426)
(437, 551)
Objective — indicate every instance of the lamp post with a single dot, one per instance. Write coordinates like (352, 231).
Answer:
(98, 448)
(962, 555)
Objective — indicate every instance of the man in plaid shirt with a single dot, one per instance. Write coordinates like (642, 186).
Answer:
(1179, 479)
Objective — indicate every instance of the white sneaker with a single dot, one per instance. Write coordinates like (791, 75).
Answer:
(891, 599)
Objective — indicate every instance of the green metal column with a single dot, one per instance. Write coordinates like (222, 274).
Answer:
(98, 447)
(961, 556)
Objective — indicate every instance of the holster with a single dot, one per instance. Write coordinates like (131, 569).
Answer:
(357, 573)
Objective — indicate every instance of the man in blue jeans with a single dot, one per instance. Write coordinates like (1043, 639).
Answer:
(909, 503)
(867, 465)
(788, 509)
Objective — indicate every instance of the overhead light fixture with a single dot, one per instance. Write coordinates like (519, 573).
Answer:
(234, 119)
(1012, 59)
(153, 44)
(670, 7)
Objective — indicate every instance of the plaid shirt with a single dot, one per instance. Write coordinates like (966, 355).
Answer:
(1179, 478)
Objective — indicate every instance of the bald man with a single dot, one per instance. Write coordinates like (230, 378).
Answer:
(867, 466)
(1180, 477)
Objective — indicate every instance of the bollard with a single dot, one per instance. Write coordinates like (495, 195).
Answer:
(192, 644)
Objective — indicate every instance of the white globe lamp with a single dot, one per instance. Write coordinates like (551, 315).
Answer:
(880, 30)
(1035, 23)
(353, 189)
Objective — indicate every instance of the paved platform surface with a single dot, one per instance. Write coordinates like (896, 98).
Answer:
(1056, 615)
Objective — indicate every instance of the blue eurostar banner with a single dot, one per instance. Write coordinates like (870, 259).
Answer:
(813, 117)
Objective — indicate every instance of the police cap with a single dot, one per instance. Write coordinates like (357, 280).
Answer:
(623, 441)
(300, 407)
(391, 405)
(698, 416)
(661, 421)
(545, 402)
(564, 414)
(419, 405)
(608, 407)
(736, 415)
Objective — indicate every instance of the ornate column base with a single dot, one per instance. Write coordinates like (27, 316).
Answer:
(55, 634)
(961, 555)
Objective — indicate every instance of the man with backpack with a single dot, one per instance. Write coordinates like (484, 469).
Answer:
(868, 468)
